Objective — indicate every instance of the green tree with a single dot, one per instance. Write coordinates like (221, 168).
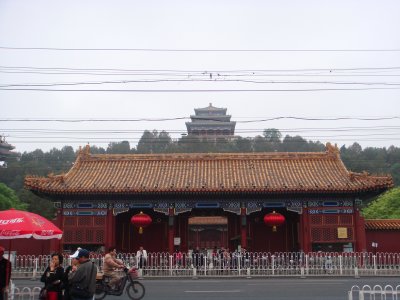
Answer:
(37, 205)
(8, 199)
(386, 206)
(119, 147)
(272, 135)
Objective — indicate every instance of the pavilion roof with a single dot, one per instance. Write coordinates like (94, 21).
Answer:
(215, 173)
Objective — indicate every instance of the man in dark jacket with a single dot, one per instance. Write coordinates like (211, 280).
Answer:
(82, 279)
(5, 274)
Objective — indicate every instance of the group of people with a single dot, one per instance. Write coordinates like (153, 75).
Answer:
(219, 257)
(76, 282)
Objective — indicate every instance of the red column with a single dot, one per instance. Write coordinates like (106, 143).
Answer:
(243, 227)
(305, 242)
(171, 230)
(360, 236)
(109, 230)
(57, 245)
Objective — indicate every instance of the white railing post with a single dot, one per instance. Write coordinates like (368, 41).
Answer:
(238, 258)
(375, 266)
(205, 265)
(248, 273)
(356, 272)
(194, 273)
(307, 266)
(170, 265)
(273, 264)
(35, 269)
(302, 272)
(340, 265)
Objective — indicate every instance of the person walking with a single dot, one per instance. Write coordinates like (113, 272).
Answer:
(5, 274)
(82, 279)
(53, 277)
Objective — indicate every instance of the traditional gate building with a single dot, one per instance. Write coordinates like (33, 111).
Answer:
(212, 200)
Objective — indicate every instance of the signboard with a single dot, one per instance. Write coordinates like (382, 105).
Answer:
(342, 233)
(177, 241)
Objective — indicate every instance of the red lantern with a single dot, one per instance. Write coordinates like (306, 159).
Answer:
(274, 219)
(141, 220)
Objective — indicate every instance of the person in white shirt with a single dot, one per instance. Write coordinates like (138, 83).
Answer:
(141, 257)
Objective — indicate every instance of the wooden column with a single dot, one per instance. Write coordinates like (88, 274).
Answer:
(109, 230)
(57, 245)
(171, 230)
(359, 232)
(304, 232)
(243, 227)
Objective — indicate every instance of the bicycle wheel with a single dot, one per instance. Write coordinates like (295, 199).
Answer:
(100, 292)
(135, 290)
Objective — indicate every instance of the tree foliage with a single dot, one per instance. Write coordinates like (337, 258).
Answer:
(386, 206)
(8, 199)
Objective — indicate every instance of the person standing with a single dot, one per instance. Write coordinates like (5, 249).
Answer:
(5, 274)
(82, 279)
(141, 257)
(53, 277)
(74, 263)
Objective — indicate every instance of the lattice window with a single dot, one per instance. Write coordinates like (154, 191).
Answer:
(331, 220)
(99, 221)
(79, 236)
(316, 234)
(346, 220)
(68, 236)
(89, 235)
(350, 233)
(100, 236)
(316, 220)
(85, 221)
(327, 234)
(69, 221)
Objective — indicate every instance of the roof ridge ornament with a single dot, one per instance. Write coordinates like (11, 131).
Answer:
(332, 149)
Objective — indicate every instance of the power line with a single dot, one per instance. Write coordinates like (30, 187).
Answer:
(242, 130)
(205, 71)
(198, 118)
(275, 82)
(194, 50)
(199, 90)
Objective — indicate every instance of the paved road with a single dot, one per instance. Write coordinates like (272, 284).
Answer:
(251, 289)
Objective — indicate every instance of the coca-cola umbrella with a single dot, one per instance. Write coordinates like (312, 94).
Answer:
(18, 224)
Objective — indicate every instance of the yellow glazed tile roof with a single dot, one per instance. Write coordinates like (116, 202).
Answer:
(380, 224)
(292, 172)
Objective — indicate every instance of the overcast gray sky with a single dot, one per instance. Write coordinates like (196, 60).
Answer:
(252, 85)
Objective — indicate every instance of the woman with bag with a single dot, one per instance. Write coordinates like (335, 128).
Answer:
(52, 277)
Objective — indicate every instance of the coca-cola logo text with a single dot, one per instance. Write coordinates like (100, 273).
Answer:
(9, 232)
(11, 221)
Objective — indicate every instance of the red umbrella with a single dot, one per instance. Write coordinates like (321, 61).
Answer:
(18, 224)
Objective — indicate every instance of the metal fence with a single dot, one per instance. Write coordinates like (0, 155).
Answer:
(162, 264)
(23, 293)
(377, 292)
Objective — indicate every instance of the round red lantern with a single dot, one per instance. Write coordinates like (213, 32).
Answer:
(274, 219)
(141, 221)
